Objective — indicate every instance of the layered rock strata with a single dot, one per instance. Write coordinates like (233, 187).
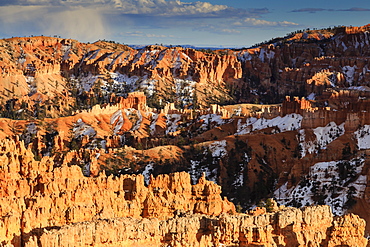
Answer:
(35, 68)
(41, 194)
(309, 226)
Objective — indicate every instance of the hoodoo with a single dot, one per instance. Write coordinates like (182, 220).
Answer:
(102, 144)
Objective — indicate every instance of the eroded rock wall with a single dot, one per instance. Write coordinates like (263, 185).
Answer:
(267, 73)
(41, 194)
(309, 226)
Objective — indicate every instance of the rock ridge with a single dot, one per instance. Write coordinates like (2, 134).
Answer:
(41, 194)
(308, 226)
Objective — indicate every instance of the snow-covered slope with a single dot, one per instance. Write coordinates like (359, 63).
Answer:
(334, 183)
(286, 123)
(323, 137)
(362, 136)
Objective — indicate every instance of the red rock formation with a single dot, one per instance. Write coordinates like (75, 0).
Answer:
(53, 192)
(41, 194)
(295, 106)
(298, 67)
(136, 100)
(309, 226)
(354, 30)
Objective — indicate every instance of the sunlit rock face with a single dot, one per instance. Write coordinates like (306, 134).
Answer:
(42, 194)
(302, 64)
(161, 142)
(313, 226)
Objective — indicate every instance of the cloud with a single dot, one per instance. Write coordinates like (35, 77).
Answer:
(237, 27)
(29, 2)
(148, 7)
(134, 34)
(314, 10)
(80, 23)
(218, 29)
(310, 10)
(146, 35)
(253, 22)
(88, 20)
(150, 35)
(354, 9)
(16, 14)
(230, 31)
(171, 8)
(175, 8)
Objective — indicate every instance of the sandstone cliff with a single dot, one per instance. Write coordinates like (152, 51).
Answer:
(41, 194)
(35, 69)
(71, 108)
(45, 204)
(309, 226)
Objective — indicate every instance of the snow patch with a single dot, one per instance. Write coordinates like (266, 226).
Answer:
(211, 121)
(148, 85)
(172, 123)
(311, 96)
(349, 73)
(32, 128)
(362, 136)
(245, 56)
(148, 170)
(327, 134)
(194, 174)
(88, 82)
(153, 123)
(332, 183)
(218, 148)
(323, 137)
(66, 49)
(117, 120)
(197, 169)
(185, 90)
(305, 146)
(94, 54)
(360, 88)
(121, 79)
(208, 162)
(81, 129)
(287, 123)
(124, 83)
(239, 181)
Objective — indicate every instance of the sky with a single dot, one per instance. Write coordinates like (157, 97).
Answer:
(209, 23)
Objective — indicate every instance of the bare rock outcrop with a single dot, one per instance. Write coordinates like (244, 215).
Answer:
(40, 194)
(309, 226)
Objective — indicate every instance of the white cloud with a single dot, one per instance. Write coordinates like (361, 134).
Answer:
(145, 35)
(89, 20)
(168, 8)
(134, 34)
(16, 14)
(253, 22)
(226, 30)
(158, 36)
(80, 23)
(147, 7)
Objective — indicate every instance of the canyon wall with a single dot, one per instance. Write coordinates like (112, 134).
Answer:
(45, 67)
(45, 204)
(41, 194)
(309, 226)
(102, 91)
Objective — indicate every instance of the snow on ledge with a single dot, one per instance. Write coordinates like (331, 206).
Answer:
(287, 123)
(363, 137)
